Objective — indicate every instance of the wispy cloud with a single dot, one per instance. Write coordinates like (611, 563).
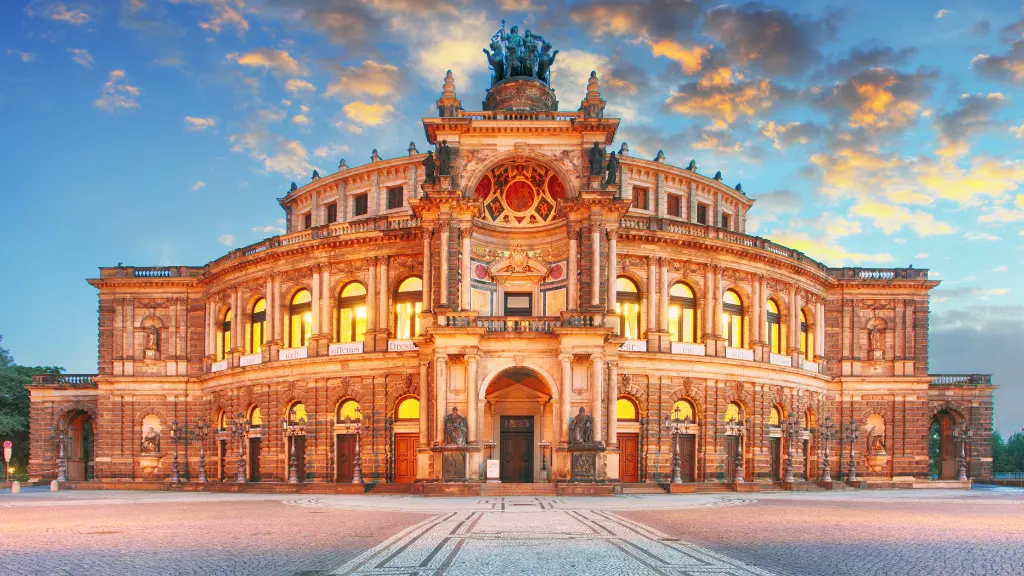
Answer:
(981, 236)
(57, 11)
(197, 123)
(944, 12)
(276, 61)
(368, 114)
(199, 184)
(226, 239)
(82, 57)
(25, 57)
(117, 94)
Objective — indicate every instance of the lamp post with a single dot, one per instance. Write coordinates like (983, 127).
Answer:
(963, 435)
(737, 429)
(852, 432)
(543, 444)
(290, 432)
(827, 435)
(59, 433)
(202, 431)
(357, 461)
(490, 444)
(791, 433)
(675, 423)
(240, 428)
(177, 434)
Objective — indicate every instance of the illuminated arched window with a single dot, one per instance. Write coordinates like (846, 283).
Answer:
(255, 417)
(805, 341)
(407, 307)
(625, 409)
(300, 314)
(683, 410)
(297, 414)
(627, 305)
(348, 411)
(775, 417)
(682, 313)
(352, 313)
(224, 337)
(774, 327)
(732, 319)
(810, 421)
(733, 412)
(257, 326)
(222, 420)
(409, 409)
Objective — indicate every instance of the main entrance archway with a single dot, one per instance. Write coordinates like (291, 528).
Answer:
(518, 417)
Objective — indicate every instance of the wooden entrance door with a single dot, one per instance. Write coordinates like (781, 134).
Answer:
(687, 457)
(629, 457)
(223, 451)
(947, 455)
(300, 457)
(516, 449)
(405, 458)
(345, 458)
(731, 450)
(807, 459)
(254, 459)
(775, 453)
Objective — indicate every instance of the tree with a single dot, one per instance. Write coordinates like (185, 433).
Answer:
(14, 403)
(1012, 459)
(998, 452)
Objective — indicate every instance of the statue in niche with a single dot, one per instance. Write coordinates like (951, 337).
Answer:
(596, 160)
(153, 339)
(581, 428)
(876, 441)
(151, 441)
(455, 429)
(876, 341)
(613, 169)
(444, 159)
(429, 169)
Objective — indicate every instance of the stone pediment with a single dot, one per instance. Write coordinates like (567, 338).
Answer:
(518, 392)
(518, 265)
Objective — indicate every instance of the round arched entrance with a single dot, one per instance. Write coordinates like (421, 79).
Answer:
(518, 419)
(80, 443)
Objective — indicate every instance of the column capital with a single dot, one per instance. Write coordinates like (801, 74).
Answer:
(370, 261)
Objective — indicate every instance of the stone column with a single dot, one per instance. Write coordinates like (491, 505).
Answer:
(210, 333)
(709, 301)
(663, 296)
(464, 290)
(326, 323)
(595, 276)
(612, 271)
(237, 322)
(278, 326)
(756, 310)
(424, 403)
(597, 388)
(473, 391)
(314, 305)
(613, 396)
(444, 263)
(573, 287)
(427, 270)
(652, 296)
(371, 294)
(718, 303)
(819, 330)
(794, 322)
(566, 398)
(441, 394)
(384, 293)
(271, 301)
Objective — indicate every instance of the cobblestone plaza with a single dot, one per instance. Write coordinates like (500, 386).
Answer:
(850, 532)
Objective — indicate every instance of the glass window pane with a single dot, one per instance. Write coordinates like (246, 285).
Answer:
(301, 297)
(261, 306)
(773, 418)
(731, 298)
(689, 325)
(349, 410)
(412, 284)
(732, 412)
(737, 332)
(682, 410)
(256, 416)
(297, 414)
(773, 307)
(624, 285)
(674, 311)
(409, 409)
(625, 409)
(353, 289)
(680, 290)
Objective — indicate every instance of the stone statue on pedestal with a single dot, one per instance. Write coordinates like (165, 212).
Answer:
(613, 169)
(444, 158)
(581, 428)
(153, 339)
(596, 160)
(429, 169)
(455, 429)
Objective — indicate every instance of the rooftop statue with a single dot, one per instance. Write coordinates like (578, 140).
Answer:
(511, 55)
(596, 160)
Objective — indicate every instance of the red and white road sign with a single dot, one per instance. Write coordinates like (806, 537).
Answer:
(7, 450)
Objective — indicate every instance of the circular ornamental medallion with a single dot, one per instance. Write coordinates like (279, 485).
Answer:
(519, 196)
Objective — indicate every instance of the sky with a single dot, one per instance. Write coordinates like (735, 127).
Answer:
(870, 133)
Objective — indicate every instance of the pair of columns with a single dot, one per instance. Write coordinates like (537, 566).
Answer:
(442, 380)
(597, 387)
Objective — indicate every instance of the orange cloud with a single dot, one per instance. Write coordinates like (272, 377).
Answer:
(691, 59)
(277, 61)
(370, 78)
(368, 114)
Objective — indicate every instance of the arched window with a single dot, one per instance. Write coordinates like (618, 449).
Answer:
(625, 409)
(627, 305)
(774, 327)
(255, 417)
(348, 411)
(257, 326)
(683, 410)
(733, 412)
(409, 409)
(352, 313)
(732, 319)
(408, 305)
(682, 310)
(301, 319)
(810, 421)
(775, 417)
(297, 414)
(805, 341)
(224, 338)
(222, 420)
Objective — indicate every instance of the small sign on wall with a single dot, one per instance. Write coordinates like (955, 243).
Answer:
(634, 346)
(345, 348)
(293, 353)
(401, 345)
(493, 470)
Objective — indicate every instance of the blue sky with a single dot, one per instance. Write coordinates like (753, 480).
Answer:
(155, 133)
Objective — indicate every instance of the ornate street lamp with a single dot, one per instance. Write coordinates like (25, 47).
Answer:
(675, 424)
(177, 436)
(791, 437)
(202, 431)
(240, 429)
(290, 432)
(853, 433)
(737, 429)
(544, 444)
(963, 435)
(357, 461)
(59, 434)
(827, 435)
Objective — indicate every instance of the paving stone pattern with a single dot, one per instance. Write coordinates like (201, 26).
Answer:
(871, 533)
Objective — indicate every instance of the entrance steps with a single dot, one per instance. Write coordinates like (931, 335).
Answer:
(390, 488)
(642, 488)
(507, 489)
(713, 487)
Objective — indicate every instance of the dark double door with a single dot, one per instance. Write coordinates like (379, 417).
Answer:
(516, 449)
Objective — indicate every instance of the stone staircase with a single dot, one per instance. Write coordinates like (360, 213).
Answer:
(642, 488)
(390, 488)
(713, 488)
(498, 490)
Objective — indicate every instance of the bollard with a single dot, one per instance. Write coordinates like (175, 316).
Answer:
(54, 486)
(15, 487)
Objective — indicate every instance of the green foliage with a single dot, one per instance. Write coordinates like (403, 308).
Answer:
(1010, 456)
(14, 403)
(933, 449)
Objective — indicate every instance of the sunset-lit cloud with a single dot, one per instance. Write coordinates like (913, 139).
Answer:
(81, 57)
(197, 124)
(890, 218)
(58, 11)
(367, 79)
(276, 61)
(722, 100)
(368, 114)
(296, 85)
(225, 14)
(690, 58)
(117, 94)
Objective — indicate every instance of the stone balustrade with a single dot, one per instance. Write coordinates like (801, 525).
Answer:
(63, 379)
(961, 379)
(518, 323)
